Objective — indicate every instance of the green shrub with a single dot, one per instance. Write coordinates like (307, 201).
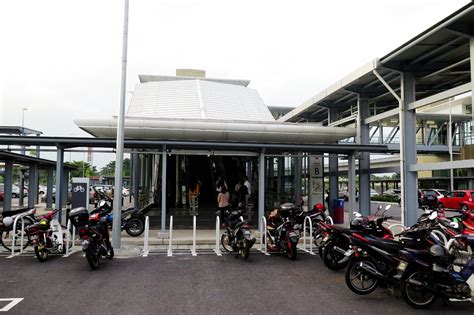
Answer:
(385, 198)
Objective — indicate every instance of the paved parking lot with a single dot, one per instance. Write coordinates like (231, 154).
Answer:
(184, 284)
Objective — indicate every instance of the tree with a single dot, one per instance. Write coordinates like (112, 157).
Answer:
(109, 169)
(84, 169)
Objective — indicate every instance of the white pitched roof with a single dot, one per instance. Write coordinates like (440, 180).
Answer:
(197, 99)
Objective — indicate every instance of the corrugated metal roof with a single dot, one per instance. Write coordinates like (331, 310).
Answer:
(197, 99)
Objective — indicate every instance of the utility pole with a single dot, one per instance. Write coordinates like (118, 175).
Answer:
(117, 211)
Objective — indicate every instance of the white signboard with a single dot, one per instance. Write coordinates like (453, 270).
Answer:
(316, 180)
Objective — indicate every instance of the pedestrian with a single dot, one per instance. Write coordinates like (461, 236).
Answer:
(220, 183)
(247, 184)
(223, 199)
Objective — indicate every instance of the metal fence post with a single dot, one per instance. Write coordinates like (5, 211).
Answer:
(170, 246)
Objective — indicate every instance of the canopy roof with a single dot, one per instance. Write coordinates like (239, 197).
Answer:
(438, 58)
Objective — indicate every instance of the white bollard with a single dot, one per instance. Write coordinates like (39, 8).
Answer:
(310, 235)
(263, 237)
(170, 246)
(217, 250)
(146, 248)
(68, 228)
(193, 250)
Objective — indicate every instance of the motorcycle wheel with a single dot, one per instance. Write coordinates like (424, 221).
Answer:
(6, 236)
(417, 296)
(358, 280)
(331, 256)
(135, 227)
(41, 253)
(291, 250)
(92, 257)
(225, 242)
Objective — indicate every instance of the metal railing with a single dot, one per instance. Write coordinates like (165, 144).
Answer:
(217, 250)
(310, 251)
(263, 236)
(70, 239)
(170, 246)
(193, 249)
(146, 248)
(20, 216)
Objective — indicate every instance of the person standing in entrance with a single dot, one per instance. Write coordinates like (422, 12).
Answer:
(247, 184)
(219, 184)
(223, 199)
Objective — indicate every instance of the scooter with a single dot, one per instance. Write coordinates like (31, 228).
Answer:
(237, 238)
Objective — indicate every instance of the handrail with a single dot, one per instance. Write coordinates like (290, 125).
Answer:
(193, 250)
(307, 218)
(20, 216)
(217, 250)
(170, 246)
(263, 236)
(146, 248)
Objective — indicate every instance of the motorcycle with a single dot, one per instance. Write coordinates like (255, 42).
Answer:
(94, 235)
(336, 251)
(47, 236)
(427, 277)
(319, 217)
(237, 238)
(374, 260)
(132, 220)
(283, 231)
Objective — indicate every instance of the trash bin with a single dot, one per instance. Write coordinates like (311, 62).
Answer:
(338, 211)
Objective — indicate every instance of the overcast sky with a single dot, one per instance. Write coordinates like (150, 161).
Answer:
(62, 59)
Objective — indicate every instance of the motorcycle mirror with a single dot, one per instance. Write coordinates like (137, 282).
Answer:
(387, 207)
(357, 214)
(102, 203)
(433, 215)
(454, 225)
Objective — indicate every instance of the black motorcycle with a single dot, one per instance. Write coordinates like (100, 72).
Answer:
(283, 232)
(132, 221)
(94, 234)
(336, 246)
(429, 275)
(237, 237)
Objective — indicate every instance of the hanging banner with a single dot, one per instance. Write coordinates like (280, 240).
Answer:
(316, 180)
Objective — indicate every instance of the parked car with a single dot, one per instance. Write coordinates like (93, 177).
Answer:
(392, 192)
(458, 200)
(373, 193)
(440, 193)
(429, 199)
(2, 195)
(15, 191)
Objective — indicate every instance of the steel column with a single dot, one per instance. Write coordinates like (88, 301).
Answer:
(261, 189)
(297, 179)
(59, 178)
(363, 132)
(333, 181)
(32, 185)
(49, 189)
(136, 179)
(164, 157)
(352, 183)
(22, 188)
(408, 152)
(7, 187)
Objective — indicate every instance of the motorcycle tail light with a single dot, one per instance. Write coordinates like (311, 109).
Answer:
(83, 232)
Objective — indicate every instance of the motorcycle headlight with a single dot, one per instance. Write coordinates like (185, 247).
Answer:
(85, 244)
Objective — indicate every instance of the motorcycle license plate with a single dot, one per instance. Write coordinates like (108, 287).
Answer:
(402, 266)
(349, 253)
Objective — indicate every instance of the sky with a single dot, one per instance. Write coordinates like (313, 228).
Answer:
(62, 59)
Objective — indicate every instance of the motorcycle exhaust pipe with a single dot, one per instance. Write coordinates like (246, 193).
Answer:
(421, 284)
(372, 271)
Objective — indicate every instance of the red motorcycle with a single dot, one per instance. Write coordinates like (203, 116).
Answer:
(47, 236)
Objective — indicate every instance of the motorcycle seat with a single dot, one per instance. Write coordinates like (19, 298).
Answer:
(343, 230)
(418, 252)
